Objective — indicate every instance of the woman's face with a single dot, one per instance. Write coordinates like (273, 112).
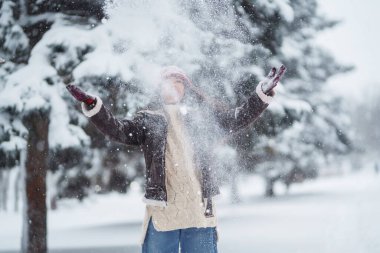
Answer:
(172, 90)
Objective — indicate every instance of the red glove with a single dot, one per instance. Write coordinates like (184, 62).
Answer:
(272, 79)
(81, 96)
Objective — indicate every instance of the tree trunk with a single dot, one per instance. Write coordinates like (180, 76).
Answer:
(35, 213)
(234, 189)
(4, 179)
(269, 191)
(17, 190)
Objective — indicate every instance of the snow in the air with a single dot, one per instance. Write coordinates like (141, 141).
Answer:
(304, 177)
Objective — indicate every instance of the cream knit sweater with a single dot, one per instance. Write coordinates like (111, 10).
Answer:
(185, 207)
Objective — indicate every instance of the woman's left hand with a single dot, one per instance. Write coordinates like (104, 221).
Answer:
(271, 80)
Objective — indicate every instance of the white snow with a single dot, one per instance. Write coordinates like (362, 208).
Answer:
(62, 134)
(281, 6)
(283, 101)
(331, 214)
(165, 36)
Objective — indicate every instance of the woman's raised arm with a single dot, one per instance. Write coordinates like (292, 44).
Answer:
(240, 117)
(130, 132)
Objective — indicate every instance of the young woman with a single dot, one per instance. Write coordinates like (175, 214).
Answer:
(175, 133)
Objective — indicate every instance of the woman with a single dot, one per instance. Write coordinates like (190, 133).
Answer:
(180, 179)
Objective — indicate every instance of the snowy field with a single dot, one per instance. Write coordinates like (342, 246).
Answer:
(331, 214)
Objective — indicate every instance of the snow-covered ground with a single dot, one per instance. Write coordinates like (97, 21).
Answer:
(331, 214)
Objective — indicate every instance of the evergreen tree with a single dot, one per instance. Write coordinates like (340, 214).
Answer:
(31, 104)
(307, 125)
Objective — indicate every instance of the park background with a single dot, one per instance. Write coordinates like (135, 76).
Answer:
(303, 178)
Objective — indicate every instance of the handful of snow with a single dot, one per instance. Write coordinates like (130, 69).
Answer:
(2, 60)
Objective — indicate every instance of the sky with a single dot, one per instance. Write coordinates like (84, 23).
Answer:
(354, 41)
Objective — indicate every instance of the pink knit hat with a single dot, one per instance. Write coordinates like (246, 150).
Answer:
(174, 71)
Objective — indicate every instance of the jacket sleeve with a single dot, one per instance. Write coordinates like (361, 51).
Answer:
(240, 117)
(130, 132)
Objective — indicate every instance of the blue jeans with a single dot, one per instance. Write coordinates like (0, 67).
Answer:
(192, 240)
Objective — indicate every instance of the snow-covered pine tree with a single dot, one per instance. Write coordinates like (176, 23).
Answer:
(14, 46)
(366, 133)
(34, 120)
(306, 126)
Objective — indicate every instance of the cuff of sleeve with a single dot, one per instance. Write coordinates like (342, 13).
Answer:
(93, 111)
(265, 98)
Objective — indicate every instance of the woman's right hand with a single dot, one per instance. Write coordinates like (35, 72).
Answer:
(81, 96)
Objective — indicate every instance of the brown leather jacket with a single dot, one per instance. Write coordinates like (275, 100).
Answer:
(148, 130)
